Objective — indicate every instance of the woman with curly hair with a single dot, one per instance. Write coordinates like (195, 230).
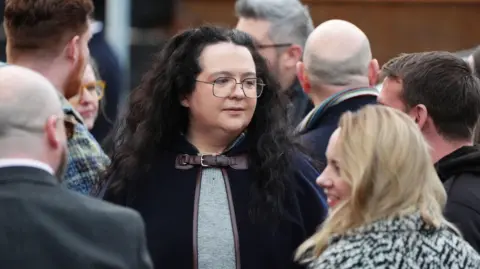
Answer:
(204, 155)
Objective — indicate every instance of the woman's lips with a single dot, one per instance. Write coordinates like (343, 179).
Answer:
(87, 113)
(332, 200)
(234, 111)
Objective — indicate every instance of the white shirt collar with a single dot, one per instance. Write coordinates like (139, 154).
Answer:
(9, 162)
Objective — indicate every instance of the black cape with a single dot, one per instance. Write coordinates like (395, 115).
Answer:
(166, 201)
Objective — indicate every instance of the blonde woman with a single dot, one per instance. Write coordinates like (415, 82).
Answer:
(386, 200)
(86, 102)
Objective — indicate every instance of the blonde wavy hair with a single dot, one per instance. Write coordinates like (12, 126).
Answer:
(386, 162)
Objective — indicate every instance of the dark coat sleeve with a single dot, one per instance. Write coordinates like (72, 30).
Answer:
(312, 200)
(313, 205)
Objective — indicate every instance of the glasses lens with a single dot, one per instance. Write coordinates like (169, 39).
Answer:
(260, 86)
(99, 90)
(252, 87)
(222, 87)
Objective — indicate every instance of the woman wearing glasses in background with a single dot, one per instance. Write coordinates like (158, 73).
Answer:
(205, 157)
(86, 102)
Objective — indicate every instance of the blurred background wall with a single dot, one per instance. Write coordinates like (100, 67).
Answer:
(393, 26)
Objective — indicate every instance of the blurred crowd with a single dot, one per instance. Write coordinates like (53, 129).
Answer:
(275, 144)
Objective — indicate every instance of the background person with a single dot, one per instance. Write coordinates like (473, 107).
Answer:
(43, 225)
(87, 101)
(386, 200)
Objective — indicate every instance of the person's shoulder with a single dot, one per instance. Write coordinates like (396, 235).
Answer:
(98, 224)
(94, 212)
(463, 195)
(447, 247)
(106, 210)
(465, 186)
(346, 254)
(84, 212)
(83, 147)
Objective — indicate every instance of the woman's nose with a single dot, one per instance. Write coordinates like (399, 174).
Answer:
(238, 91)
(88, 97)
(323, 181)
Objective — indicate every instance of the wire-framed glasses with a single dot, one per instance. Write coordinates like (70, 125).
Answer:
(223, 86)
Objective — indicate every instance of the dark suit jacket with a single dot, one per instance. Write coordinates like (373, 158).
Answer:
(316, 139)
(43, 225)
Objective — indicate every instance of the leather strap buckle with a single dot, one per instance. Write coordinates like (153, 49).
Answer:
(185, 161)
(202, 159)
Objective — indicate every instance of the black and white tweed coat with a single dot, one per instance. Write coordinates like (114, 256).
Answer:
(401, 243)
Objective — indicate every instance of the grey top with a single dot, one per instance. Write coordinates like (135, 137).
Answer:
(216, 245)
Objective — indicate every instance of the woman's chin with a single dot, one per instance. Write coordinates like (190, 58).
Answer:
(88, 118)
(89, 123)
(234, 128)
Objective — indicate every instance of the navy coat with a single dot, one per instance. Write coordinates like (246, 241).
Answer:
(166, 198)
(317, 136)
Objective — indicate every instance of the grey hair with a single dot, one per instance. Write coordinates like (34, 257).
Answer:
(339, 73)
(290, 20)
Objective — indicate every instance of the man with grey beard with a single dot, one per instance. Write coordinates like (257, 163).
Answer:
(280, 29)
(43, 225)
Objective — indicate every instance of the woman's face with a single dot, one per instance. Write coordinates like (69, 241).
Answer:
(86, 101)
(335, 187)
(223, 107)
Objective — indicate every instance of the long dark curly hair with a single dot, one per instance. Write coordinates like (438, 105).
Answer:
(155, 119)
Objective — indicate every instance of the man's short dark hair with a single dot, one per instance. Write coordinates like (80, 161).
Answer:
(45, 24)
(445, 84)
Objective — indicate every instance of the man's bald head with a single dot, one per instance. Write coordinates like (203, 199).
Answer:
(27, 100)
(337, 53)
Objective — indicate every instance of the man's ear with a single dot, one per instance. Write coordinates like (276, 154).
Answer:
(373, 72)
(419, 113)
(72, 50)
(303, 77)
(292, 55)
(51, 131)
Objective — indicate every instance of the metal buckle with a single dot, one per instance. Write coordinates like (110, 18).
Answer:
(201, 161)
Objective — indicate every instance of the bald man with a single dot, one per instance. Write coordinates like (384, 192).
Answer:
(43, 225)
(338, 73)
